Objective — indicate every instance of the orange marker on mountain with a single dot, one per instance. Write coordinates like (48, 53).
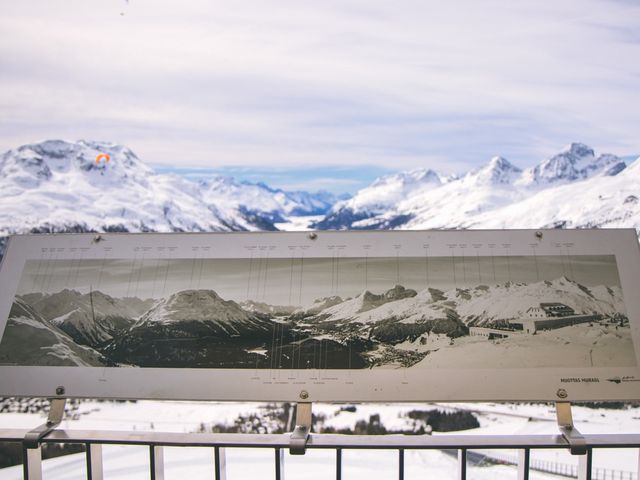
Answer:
(101, 156)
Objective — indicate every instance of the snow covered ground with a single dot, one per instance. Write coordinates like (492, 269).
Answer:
(123, 462)
(581, 346)
(299, 223)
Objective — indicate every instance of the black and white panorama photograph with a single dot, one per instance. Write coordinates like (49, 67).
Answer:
(321, 313)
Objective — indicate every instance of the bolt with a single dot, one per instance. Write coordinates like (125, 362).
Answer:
(60, 391)
(304, 394)
(312, 236)
(539, 235)
(97, 239)
(562, 393)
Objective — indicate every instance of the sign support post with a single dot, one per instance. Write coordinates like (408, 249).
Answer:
(300, 435)
(577, 443)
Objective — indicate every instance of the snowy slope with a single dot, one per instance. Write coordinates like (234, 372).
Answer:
(318, 306)
(574, 188)
(272, 204)
(46, 344)
(601, 201)
(192, 328)
(380, 197)
(364, 302)
(266, 309)
(511, 300)
(204, 306)
(91, 318)
(576, 162)
(478, 305)
(58, 186)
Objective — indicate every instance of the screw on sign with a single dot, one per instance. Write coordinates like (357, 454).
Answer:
(102, 156)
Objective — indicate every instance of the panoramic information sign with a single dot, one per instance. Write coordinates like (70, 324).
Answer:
(324, 316)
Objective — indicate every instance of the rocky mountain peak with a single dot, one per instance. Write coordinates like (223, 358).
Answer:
(497, 171)
(195, 306)
(31, 165)
(409, 178)
(398, 292)
(577, 161)
(578, 150)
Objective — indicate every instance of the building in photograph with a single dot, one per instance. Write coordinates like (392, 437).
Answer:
(548, 316)
(545, 316)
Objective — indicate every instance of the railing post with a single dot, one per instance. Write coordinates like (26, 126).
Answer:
(94, 461)
(524, 457)
(220, 463)
(32, 463)
(462, 464)
(279, 464)
(338, 464)
(401, 463)
(156, 462)
(584, 465)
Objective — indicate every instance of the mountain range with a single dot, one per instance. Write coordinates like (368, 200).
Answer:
(57, 186)
(574, 189)
(198, 328)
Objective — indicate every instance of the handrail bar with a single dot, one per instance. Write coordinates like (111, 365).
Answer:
(320, 441)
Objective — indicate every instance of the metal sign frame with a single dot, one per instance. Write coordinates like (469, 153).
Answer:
(386, 382)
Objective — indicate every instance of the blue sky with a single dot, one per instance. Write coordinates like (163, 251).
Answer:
(326, 93)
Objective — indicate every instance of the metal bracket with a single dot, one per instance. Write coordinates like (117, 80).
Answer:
(56, 412)
(577, 443)
(300, 435)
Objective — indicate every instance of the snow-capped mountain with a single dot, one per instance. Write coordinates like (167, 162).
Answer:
(397, 327)
(574, 188)
(201, 308)
(192, 328)
(89, 319)
(364, 302)
(599, 202)
(576, 162)
(477, 306)
(381, 196)
(266, 309)
(46, 345)
(512, 300)
(317, 306)
(259, 201)
(59, 186)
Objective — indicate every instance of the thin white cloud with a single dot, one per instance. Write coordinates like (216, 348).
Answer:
(415, 83)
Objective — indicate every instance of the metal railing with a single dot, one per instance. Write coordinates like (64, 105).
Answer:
(465, 447)
(563, 469)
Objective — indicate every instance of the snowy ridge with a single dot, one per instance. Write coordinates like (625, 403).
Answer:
(58, 186)
(47, 345)
(200, 306)
(89, 319)
(274, 205)
(318, 306)
(513, 300)
(602, 191)
(477, 305)
(576, 162)
(194, 305)
(365, 302)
